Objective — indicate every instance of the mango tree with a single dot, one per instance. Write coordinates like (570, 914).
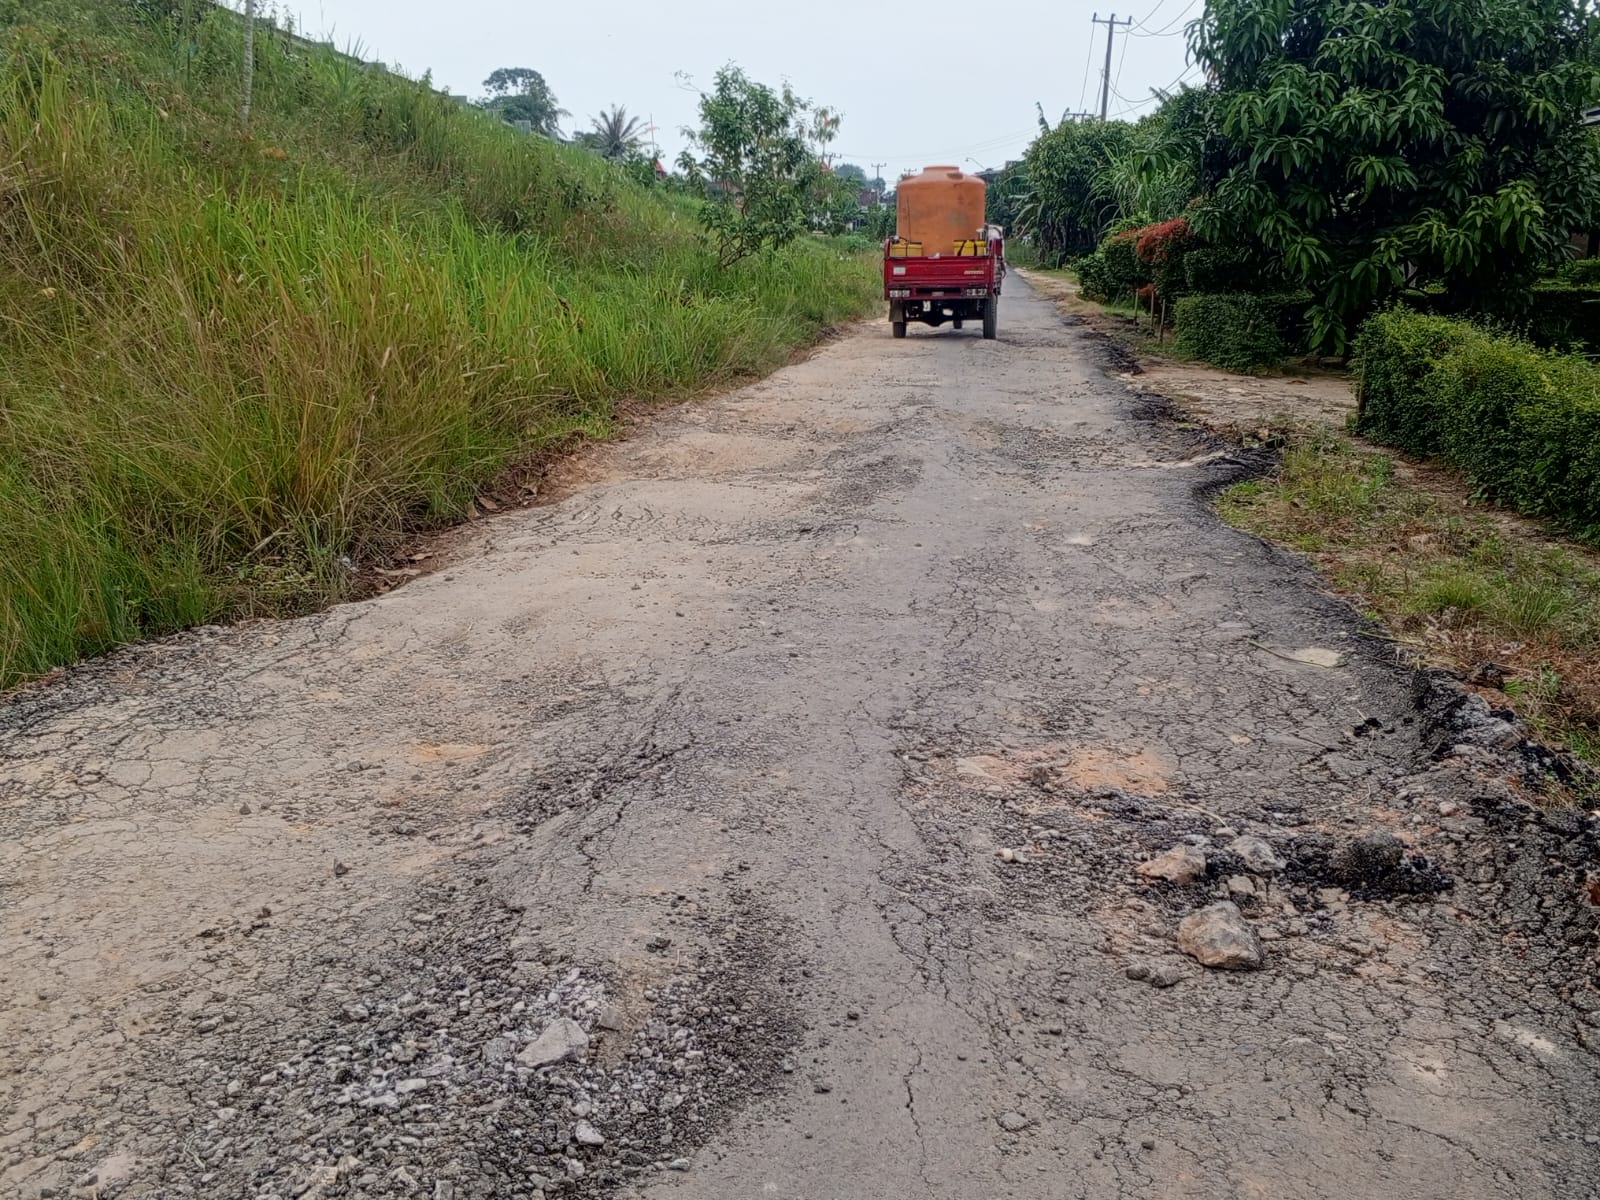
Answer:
(757, 157)
(1372, 146)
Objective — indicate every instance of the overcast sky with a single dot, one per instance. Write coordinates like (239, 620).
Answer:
(933, 81)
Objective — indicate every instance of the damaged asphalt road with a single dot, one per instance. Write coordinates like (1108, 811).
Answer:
(762, 820)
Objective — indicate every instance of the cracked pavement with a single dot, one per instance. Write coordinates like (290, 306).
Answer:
(718, 755)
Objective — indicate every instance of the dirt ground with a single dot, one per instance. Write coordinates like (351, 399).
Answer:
(1231, 404)
(761, 819)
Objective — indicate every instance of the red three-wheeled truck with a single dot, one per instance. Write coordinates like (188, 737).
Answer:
(944, 262)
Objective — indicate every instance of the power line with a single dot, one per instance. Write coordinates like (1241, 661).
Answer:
(1149, 16)
(1132, 106)
(1183, 77)
(928, 156)
(1120, 61)
(1156, 94)
(1172, 27)
(1087, 59)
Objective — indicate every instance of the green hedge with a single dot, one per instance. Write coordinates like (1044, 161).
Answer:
(1565, 316)
(1241, 331)
(1559, 313)
(1523, 423)
(1094, 280)
(1126, 273)
(1394, 355)
(1582, 270)
(1211, 268)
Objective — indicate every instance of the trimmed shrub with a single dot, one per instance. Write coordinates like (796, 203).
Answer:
(1162, 247)
(1159, 241)
(1094, 280)
(1234, 331)
(1125, 273)
(1565, 316)
(1581, 270)
(1523, 423)
(1218, 269)
(1394, 354)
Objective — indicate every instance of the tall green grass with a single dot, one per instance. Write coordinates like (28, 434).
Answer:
(227, 361)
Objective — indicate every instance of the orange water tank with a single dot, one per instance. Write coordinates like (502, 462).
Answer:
(940, 207)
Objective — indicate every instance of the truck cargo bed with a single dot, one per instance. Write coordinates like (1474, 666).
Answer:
(941, 275)
(931, 289)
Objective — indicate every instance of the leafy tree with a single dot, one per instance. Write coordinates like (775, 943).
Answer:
(1373, 145)
(757, 164)
(859, 180)
(614, 134)
(825, 124)
(1165, 165)
(1008, 195)
(879, 222)
(521, 94)
(835, 204)
(1068, 213)
(838, 201)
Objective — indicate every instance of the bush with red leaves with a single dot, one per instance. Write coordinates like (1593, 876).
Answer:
(1159, 242)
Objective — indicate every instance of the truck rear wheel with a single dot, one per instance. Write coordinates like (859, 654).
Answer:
(899, 328)
(957, 323)
(991, 318)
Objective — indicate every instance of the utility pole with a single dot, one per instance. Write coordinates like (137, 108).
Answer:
(1111, 38)
(877, 179)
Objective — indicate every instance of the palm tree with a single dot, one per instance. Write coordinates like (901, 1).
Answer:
(615, 134)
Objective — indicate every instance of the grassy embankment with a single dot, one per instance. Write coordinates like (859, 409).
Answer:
(228, 360)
